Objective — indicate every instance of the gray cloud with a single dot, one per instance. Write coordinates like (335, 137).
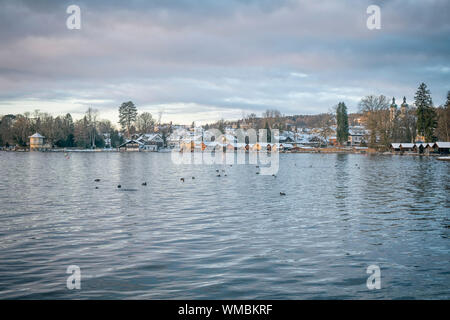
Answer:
(208, 59)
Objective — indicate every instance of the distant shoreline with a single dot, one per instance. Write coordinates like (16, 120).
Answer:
(359, 150)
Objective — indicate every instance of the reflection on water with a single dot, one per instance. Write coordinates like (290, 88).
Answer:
(231, 237)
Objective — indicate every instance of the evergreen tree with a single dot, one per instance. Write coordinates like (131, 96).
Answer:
(69, 131)
(426, 115)
(221, 126)
(342, 123)
(164, 138)
(447, 103)
(127, 115)
(116, 139)
(269, 134)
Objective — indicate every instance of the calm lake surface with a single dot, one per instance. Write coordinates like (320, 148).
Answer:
(231, 237)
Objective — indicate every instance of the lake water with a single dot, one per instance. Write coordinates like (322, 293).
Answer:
(231, 237)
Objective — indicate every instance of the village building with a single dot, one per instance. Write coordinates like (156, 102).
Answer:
(332, 141)
(36, 142)
(420, 147)
(356, 135)
(131, 146)
(151, 141)
(255, 147)
(285, 146)
(395, 147)
(173, 143)
(230, 147)
(286, 139)
(107, 138)
(441, 147)
(407, 147)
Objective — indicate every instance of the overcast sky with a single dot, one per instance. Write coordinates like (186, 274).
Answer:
(205, 60)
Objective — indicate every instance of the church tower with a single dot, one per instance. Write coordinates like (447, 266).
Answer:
(404, 107)
(392, 110)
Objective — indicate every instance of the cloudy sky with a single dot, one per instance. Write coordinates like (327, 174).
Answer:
(205, 60)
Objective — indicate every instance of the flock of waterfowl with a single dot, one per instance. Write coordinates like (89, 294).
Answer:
(119, 186)
(182, 180)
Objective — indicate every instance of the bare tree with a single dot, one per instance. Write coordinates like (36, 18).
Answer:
(376, 111)
(443, 121)
(91, 118)
(145, 122)
(326, 126)
(21, 130)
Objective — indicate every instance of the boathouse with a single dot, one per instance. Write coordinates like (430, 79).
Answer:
(407, 147)
(230, 147)
(395, 147)
(441, 147)
(420, 147)
(286, 146)
(131, 146)
(256, 147)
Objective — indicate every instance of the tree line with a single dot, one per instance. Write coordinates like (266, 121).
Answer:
(423, 121)
(60, 131)
(389, 123)
(64, 132)
(386, 122)
(133, 123)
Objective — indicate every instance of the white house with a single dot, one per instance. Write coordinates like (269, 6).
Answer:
(356, 135)
(151, 141)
